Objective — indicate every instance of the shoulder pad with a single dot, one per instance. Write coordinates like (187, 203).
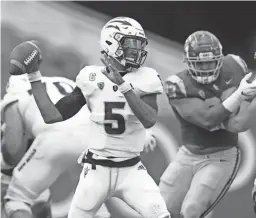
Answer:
(240, 62)
(175, 87)
(88, 73)
(85, 79)
(149, 81)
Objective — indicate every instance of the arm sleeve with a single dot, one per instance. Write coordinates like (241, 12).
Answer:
(69, 105)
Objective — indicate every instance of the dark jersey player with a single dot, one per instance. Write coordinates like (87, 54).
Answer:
(212, 100)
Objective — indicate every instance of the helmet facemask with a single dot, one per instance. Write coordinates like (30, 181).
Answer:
(205, 68)
(203, 56)
(131, 52)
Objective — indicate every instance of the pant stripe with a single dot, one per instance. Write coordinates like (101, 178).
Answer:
(226, 187)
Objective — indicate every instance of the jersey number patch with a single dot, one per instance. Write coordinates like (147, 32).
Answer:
(110, 116)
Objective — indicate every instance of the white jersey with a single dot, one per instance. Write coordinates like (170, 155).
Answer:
(115, 130)
(56, 87)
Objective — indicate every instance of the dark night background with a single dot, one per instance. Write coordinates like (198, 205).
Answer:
(234, 23)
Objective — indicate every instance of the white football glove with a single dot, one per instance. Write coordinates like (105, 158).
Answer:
(247, 90)
(150, 143)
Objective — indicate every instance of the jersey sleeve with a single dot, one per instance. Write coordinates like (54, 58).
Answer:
(85, 81)
(240, 62)
(69, 105)
(149, 82)
(58, 87)
(175, 88)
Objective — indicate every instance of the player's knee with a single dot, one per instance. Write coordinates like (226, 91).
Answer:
(193, 209)
(11, 207)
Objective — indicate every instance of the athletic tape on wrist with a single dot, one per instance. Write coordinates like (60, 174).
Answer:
(124, 87)
(35, 76)
(232, 102)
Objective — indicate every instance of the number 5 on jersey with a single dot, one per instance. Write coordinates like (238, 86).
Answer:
(110, 116)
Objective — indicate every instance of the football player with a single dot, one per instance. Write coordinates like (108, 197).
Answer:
(16, 139)
(122, 99)
(53, 151)
(205, 99)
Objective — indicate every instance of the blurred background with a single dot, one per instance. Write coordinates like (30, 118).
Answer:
(69, 32)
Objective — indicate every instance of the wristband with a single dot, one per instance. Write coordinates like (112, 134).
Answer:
(255, 182)
(35, 76)
(232, 102)
(124, 87)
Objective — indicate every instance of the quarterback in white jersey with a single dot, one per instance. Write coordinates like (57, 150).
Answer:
(54, 150)
(122, 99)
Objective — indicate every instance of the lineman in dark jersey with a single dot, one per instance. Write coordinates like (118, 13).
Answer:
(206, 99)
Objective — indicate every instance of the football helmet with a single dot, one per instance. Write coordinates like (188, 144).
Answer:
(203, 56)
(124, 39)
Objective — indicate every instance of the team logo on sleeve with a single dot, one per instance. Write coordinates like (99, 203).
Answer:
(101, 85)
(202, 94)
(115, 87)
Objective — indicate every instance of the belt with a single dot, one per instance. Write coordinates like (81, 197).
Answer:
(109, 163)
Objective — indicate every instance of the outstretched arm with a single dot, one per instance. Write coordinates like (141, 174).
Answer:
(26, 58)
(65, 108)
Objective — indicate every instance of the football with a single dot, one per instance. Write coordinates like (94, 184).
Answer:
(25, 58)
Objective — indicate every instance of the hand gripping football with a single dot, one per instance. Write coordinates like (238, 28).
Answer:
(25, 58)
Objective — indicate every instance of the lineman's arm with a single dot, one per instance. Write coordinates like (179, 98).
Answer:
(13, 143)
(200, 113)
(65, 108)
(205, 114)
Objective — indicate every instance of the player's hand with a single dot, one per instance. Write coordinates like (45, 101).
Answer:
(112, 70)
(247, 90)
(150, 143)
(25, 58)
